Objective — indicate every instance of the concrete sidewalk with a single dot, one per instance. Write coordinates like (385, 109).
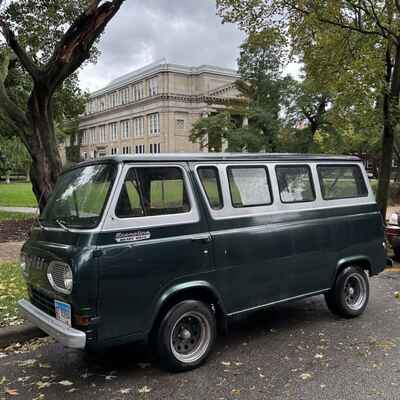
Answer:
(24, 210)
(9, 252)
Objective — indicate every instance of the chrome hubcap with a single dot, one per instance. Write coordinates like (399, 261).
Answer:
(355, 292)
(190, 337)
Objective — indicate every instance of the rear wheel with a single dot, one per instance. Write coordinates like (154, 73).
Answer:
(186, 335)
(350, 294)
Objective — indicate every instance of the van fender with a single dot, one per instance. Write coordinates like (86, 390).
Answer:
(181, 288)
(353, 260)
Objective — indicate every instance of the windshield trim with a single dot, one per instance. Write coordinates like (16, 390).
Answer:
(76, 228)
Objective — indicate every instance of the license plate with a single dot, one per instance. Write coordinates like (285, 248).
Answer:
(63, 312)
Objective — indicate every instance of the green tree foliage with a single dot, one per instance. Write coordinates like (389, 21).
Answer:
(211, 132)
(351, 48)
(14, 158)
(46, 42)
(261, 82)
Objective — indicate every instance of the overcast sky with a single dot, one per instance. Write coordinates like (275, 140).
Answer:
(181, 31)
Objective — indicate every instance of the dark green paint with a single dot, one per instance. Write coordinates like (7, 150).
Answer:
(250, 262)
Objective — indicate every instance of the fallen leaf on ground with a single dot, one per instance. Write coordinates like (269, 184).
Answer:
(306, 376)
(26, 363)
(144, 389)
(12, 392)
(66, 383)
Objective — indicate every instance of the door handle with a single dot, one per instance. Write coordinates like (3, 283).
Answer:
(205, 239)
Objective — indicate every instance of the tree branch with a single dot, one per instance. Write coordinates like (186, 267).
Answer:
(22, 55)
(378, 21)
(74, 48)
(337, 23)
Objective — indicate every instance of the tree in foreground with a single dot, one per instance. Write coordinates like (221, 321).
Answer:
(49, 41)
(351, 47)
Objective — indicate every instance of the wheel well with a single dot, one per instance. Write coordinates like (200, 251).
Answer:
(364, 264)
(197, 293)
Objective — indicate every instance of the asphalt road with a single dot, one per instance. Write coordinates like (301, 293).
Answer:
(295, 351)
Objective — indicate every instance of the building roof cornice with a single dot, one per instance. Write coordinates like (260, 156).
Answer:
(159, 67)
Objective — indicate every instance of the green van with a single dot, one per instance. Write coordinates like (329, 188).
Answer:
(168, 248)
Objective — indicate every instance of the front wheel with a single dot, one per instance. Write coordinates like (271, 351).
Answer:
(350, 294)
(186, 335)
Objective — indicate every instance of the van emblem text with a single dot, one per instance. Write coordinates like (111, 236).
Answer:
(132, 236)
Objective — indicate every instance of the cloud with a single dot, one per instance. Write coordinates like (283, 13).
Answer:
(181, 31)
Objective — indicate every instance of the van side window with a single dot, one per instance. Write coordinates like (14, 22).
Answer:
(211, 184)
(295, 183)
(152, 191)
(249, 186)
(341, 181)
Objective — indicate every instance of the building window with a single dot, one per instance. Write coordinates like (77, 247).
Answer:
(126, 150)
(139, 149)
(154, 124)
(155, 148)
(138, 127)
(138, 91)
(180, 124)
(102, 134)
(125, 129)
(114, 150)
(113, 129)
(153, 86)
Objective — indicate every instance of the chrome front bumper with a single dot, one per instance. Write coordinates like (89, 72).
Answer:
(64, 334)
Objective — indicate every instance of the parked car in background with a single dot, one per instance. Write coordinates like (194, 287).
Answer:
(168, 248)
(392, 232)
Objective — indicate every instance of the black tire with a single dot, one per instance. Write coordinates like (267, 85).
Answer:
(186, 336)
(350, 294)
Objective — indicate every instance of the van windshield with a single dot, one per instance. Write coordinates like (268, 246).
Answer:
(79, 197)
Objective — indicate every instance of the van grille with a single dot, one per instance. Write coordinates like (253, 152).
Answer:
(42, 302)
(57, 272)
(36, 263)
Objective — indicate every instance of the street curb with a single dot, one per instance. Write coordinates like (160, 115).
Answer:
(395, 269)
(19, 334)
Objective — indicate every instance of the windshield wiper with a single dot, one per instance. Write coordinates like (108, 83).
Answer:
(61, 224)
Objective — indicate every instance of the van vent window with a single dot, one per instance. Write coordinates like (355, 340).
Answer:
(295, 183)
(210, 180)
(152, 191)
(341, 181)
(249, 186)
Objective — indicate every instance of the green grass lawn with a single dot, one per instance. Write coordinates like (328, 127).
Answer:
(12, 289)
(17, 195)
(11, 216)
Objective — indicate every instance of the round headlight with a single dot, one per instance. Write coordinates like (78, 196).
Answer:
(22, 264)
(68, 279)
(394, 219)
(60, 277)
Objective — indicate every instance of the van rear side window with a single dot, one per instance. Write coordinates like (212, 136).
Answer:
(249, 186)
(152, 191)
(211, 184)
(341, 182)
(295, 183)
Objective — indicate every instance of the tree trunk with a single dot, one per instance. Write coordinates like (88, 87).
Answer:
(382, 195)
(46, 161)
(390, 105)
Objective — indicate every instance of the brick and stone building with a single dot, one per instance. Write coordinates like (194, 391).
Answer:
(152, 110)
